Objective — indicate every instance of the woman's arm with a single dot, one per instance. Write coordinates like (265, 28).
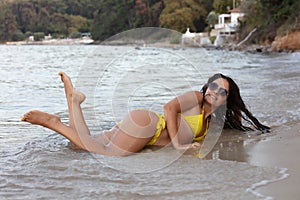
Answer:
(173, 108)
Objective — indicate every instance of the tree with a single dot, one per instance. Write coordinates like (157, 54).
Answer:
(78, 24)
(84, 8)
(182, 14)
(53, 6)
(148, 12)
(26, 15)
(271, 18)
(61, 24)
(208, 5)
(212, 19)
(113, 17)
(8, 24)
(44, 20)
(222, 6)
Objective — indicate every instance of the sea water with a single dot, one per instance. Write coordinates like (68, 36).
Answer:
(37, 163)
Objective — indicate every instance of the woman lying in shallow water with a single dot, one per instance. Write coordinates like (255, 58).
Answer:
(185, 121)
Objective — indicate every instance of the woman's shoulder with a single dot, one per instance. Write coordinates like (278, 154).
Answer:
(194, 92)
(199, 95)
(193, 96)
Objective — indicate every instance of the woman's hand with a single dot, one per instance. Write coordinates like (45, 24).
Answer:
(194, 145)
(173, 108)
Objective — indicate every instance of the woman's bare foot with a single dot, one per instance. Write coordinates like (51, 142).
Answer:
(44, 119)
(71, 93)
(41, 118)
(78, 96)
(67, 84)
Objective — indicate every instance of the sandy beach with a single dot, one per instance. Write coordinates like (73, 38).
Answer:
(280, 151)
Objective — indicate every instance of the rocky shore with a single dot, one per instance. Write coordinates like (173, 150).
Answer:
(286, 43)
(289, 42)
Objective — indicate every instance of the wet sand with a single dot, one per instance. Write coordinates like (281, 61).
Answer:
(280, 150)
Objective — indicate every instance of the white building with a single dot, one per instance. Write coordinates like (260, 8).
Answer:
(226, 27)
(195, 39)
(227, 23)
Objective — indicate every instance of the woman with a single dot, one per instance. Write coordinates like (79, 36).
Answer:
(184, 123)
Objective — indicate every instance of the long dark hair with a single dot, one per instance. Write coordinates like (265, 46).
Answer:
(234, 108)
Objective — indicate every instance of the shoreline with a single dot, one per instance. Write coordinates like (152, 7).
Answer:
(81, 41)
(288, 43)
(280, 150)
(263, 49)
(277, 149)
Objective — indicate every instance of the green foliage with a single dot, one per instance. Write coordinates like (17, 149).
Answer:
(182, 14)
(38, 36)
(18, 36)
(116, 16)
(8, 24)
(56, 17)
(112, 17)
(270, 17)
(147, 12)
(28, 33)
(74, 35)
(44, 20)
(212, 18)
(101, 17)
(60, 24)
(104, 18)
(212, 39)
(222, 6)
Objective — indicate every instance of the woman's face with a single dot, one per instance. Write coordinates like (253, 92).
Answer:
(217, 92)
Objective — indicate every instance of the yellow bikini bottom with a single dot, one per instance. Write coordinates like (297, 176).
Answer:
(161, 125)
(195, 122)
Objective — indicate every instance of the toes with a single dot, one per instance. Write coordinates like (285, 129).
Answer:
(61, 74)
(64, 77)
(25, 117)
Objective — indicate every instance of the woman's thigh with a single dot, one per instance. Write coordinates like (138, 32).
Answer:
(132, 135)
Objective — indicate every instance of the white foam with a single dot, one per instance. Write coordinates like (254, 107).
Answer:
(252, 189)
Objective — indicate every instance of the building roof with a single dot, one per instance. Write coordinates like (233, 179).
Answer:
(235, 10)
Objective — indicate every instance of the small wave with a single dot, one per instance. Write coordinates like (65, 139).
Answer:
(252, 189)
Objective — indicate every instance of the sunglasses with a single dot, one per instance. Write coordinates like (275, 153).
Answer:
(213, 86)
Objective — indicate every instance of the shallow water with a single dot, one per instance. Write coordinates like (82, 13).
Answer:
(37, 163)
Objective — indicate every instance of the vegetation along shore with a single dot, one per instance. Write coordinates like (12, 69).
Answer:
(271, 25)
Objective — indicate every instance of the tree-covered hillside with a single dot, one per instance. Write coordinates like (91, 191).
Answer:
(270, 17)
(105, 18)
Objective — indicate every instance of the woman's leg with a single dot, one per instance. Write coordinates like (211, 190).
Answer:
(137, 124)
(54, 123)
(134, 133)
(76, 117)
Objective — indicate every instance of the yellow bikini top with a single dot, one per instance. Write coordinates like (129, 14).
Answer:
(196, 122)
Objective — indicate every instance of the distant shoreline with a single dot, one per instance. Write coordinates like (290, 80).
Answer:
(68, 41)
(83, 41)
